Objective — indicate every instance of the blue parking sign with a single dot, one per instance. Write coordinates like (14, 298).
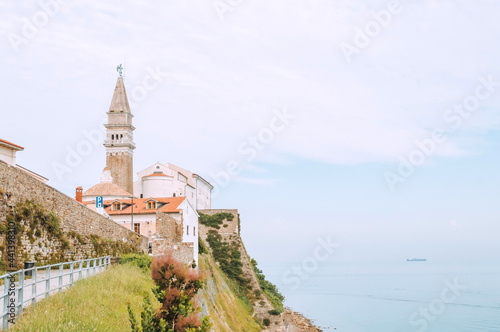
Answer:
(98, 202)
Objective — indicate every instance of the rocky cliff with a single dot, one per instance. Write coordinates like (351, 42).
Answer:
(237, 296)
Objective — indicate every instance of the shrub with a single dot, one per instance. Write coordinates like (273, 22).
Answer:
(269, 289)
(267, 322)
(228, 256)
(142, 261)
(215, 220)
(274, 312)
(176, 286)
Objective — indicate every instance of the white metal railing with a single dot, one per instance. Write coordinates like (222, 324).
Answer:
(18, 294)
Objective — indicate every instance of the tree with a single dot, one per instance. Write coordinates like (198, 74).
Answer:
(176, 286)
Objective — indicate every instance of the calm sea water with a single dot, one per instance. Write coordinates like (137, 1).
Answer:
(405, 296)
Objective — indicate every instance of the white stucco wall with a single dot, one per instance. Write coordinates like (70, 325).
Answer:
(8, 155)
(203, 196)
(191, 195)
(147, 221)
(138, 189)
(190, 217)
(179, 182)
(156, 186)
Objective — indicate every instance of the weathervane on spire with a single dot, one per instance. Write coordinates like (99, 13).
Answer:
(119, 69)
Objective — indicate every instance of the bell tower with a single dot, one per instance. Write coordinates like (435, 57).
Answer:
(119, 141)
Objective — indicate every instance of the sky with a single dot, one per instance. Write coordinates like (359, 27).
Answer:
(374, 125)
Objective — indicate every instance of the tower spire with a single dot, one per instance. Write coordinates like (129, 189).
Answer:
(119, 103)
(119, 138)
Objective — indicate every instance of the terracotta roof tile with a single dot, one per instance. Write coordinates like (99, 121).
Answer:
(11, 144)
(169, 204)
(158, 174)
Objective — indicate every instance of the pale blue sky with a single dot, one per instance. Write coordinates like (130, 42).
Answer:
(323, 175)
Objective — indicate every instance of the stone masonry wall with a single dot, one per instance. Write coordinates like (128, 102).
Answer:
(75, 217)
(228, 227)
(168, 239)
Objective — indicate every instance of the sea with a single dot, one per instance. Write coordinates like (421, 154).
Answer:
(392, 296)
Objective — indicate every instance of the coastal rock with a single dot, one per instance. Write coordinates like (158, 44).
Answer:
(293, 322)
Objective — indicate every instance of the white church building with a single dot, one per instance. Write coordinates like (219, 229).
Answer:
(169, 180)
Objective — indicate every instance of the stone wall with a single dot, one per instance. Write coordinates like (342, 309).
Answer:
(36, 238)
(168, 239)
(18, 186)
(228, 227)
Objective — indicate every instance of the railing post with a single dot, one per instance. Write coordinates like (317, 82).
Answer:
(60, 277)
(88, 267)
(80, 270)
(20, 293)
(100, 264)
(33, 288)
(71, 268)
(47, 281)
(95, 263)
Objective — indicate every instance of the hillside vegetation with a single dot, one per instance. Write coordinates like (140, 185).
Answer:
(98, 303)
(227, 312)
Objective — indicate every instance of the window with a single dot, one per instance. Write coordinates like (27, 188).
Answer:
(137, 228)
(174, 194)
(116, 206)
(141, 195)
(194, 231)
(151, 205)
(112, 137)
(187, 230)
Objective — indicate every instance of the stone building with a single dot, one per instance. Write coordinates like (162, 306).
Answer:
(177, 211)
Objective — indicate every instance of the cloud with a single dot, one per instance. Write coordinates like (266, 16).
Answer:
(225, 77)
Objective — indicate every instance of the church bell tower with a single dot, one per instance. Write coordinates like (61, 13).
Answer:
(119, 141)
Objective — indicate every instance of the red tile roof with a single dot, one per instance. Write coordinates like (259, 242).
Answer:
(11, 144)
(167, 205)
(158, 174)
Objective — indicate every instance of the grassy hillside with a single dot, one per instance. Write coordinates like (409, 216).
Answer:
(95, 304)
(227, 312)
(100, 303)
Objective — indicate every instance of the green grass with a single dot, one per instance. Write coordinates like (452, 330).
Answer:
(227, 312)
(94, 304)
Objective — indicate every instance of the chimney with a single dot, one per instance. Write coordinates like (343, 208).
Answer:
(79, 194)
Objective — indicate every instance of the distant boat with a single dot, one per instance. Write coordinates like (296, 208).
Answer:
(416, 259)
